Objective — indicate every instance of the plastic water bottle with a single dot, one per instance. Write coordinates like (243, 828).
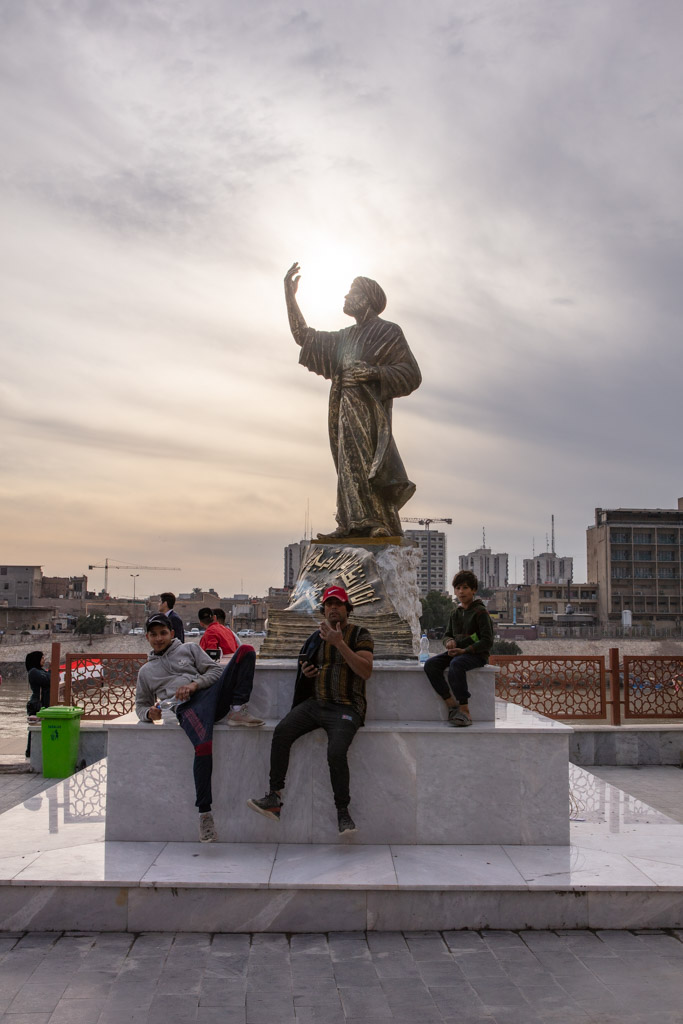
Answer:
(167, 708)
(424, 649)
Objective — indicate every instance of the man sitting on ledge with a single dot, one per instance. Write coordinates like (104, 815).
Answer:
(182, 679)
(334, 665)
(216, 636)
(468, 640)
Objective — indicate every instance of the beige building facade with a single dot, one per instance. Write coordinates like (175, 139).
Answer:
(635, 555)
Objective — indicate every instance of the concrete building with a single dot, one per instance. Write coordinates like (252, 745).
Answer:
(490, 569)
(431, 574)
(294, 556)
(72, 587)
(548, 568)
(20, 585)
(546, 604)
(635, 556)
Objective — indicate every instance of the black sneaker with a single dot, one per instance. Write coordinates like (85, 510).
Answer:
(346, 822)
(269, 805)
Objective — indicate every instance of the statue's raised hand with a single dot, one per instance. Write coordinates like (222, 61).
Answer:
(292, 278)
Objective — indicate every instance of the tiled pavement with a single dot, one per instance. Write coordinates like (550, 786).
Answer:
(573, 977)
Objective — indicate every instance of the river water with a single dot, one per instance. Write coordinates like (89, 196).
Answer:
(14, 693)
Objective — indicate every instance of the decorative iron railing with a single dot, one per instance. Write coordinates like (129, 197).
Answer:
(564, 686)
(653, 686)
(102, 684)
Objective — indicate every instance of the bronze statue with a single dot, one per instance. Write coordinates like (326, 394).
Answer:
(369, 364)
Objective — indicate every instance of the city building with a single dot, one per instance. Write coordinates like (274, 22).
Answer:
(294, 556)
(20, 585)
(431, 573)
(490, 569)
(72, 587)
(566, 604)
(548, 568)
(635, 556)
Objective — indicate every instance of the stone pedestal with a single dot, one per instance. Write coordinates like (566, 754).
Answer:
(414, 779)
(380, 577)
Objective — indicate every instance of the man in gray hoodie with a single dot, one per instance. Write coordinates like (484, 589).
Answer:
(182, 679)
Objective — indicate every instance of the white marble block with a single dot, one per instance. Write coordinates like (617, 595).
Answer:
(412, 782)
(396, 691)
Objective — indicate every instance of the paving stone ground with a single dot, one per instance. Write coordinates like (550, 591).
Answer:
(572, 977)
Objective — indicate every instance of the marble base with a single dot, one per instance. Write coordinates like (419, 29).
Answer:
(623, 868)
(397, 691)
(411, 783)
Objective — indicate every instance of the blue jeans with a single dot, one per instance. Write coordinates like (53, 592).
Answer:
(198, 715)
(457, 667)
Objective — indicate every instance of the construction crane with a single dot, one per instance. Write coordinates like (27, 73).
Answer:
(111, 564)
(427, 521)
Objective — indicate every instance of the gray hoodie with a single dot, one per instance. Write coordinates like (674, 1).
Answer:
(179, 665)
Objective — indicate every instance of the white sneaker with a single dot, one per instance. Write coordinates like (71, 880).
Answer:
(242, 717)
(207, 829)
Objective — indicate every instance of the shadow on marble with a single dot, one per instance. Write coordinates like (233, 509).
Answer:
(91, 864)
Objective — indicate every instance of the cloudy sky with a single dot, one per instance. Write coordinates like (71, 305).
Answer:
(508, 170)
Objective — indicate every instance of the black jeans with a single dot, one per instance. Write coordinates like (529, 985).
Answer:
(340, 722)
(457, 667)
(198, 715)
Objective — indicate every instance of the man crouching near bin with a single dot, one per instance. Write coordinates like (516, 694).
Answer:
(334, 665)
(182, 679)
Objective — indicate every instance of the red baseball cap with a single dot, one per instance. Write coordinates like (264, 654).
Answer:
(337, 592)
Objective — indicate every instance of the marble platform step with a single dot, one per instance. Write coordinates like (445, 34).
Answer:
(623, 869)
(412, 782)
(396, 691)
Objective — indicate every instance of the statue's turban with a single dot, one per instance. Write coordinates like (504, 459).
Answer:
(377, 300)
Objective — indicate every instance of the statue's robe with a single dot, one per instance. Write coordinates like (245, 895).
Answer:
(372, 484)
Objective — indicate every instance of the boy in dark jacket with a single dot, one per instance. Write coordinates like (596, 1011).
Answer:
(468, 640)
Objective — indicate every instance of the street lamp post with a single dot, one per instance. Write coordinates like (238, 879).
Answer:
(134, 576)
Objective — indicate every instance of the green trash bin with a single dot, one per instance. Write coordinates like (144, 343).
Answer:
(60, 730)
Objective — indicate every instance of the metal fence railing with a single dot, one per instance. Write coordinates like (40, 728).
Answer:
(102, 684)
(653, 686)
(563, 686)
(569, 687)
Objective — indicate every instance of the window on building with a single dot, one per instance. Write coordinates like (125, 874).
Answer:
(667, 573)
(667, 556)
(618, 573)
(666, 538)
(642, 538)
(619, 537)
(645, 555)
(643, 573)
(620, 555)
(548, 609)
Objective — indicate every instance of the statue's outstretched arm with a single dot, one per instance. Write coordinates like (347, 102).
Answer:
(297, 324)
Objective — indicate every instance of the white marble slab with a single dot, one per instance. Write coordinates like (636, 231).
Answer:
(576, 868)
(411, 782)
(396, 690)
(97, 863)
(212, 865)
(455, 867)
(328, 867)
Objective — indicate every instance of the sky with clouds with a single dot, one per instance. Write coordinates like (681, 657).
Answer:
(508, 170)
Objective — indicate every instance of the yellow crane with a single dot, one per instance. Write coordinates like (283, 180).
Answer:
(112, 564)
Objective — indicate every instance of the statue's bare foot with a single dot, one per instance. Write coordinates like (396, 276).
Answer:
(380, 531)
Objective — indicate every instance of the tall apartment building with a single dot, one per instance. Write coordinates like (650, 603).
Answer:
(20, 585)
(636, 557)
(294, 556)
(548, 568)
(490, 569)
(431, 573)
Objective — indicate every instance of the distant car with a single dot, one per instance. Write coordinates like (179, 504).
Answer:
(137, 631)
(194, 631)
(246, 632)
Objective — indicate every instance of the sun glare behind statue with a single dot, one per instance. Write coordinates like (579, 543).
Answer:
(327, 271)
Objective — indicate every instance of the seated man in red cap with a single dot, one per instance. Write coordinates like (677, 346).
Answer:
(334, 665)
